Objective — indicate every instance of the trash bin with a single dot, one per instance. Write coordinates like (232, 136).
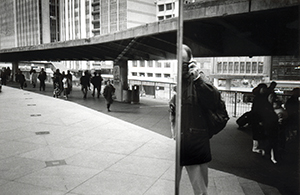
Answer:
(135, 94)
(127, 96)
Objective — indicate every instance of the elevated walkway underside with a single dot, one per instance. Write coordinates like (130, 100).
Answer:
(213, 28)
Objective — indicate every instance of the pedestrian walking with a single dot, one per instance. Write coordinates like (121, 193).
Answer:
(282, 118)
(3, 76)
(66, 84)
(57, 83)
(108, 94)
(97, 82)
(264, 123)
(85, 83)
(197, 98)
(42, 77)
(70, 78)
(20, 78)
(33, 78)
(8, 73)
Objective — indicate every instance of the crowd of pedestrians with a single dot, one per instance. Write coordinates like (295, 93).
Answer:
(5, 75)
(273, 122)
(62, 84)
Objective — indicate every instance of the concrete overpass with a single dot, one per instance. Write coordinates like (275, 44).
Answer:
(212, 28)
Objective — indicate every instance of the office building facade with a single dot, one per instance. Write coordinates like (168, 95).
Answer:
(84, 19)
(31, 22)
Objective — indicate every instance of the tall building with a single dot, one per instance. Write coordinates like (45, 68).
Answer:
(114, 15)
(84, 19)
(30, 22)
(166, 9)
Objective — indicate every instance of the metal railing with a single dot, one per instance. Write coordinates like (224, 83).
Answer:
(237, 102)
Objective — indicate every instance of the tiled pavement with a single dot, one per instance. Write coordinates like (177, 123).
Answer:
(51, 146)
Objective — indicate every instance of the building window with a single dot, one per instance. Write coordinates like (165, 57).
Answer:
(248, 67)
(168, 16)
(134, 74)
(96, 7)
(150, 63)
(254, 67)
(169, 6)
(219, 67)
(167, 64)
(96, 16)
(167, 75)
(242, 67)
(134, 63)
(160, 18)
(236, 67)
(96, 25)
(158, 65)
(96, 33)
(142, 74)
(158, 75)
(149, 74)
(260, 67)
(202, 65)
(230, 67)
(161, 8)
(224, 67)
(142, 63)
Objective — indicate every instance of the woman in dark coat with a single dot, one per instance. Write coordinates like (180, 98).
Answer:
(108, 93)
(264, 122)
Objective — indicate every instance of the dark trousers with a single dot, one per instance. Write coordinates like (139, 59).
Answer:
(84, 90)
(42, 85)
(98, 88)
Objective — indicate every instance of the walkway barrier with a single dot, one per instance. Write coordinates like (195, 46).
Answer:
(237, 102)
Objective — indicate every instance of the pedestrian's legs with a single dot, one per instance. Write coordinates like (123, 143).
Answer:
(274, 150)
(42, 85)
(198, 175)
(108, 107)
(84, 91)
(94, 88)
(98, 92)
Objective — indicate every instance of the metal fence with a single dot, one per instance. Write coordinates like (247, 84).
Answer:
(237, 102)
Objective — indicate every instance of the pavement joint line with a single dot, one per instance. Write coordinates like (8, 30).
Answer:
(35, 115)
(53, 163)
(42, 132)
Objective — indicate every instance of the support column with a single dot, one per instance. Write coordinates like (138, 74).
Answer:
(228, 84)
(120, 73)
(216, 82)
(14, 67)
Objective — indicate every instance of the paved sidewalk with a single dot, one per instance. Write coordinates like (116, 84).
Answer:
(52, 146)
